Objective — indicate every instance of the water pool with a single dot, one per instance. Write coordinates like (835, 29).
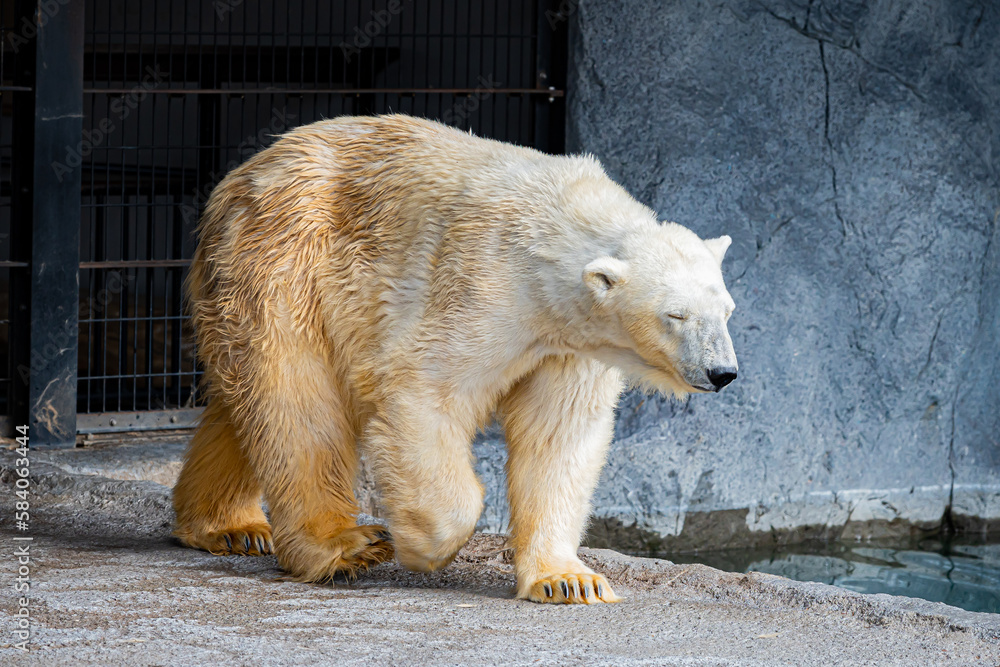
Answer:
(959, 572)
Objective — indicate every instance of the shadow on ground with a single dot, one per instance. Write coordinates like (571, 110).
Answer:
(110, 586)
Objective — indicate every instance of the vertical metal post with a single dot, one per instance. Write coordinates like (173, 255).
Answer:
(550, 72)
(45, 230)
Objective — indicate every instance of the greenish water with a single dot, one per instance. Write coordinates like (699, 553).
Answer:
(958, 572)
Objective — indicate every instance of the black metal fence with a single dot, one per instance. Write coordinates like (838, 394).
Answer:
(8, 63)
(171, 95)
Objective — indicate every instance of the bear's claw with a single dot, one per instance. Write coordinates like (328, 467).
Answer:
(346, 554)
(253, 540)
(572, 588)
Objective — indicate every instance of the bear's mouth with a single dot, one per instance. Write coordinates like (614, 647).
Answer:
(675, 374)
(637, 369)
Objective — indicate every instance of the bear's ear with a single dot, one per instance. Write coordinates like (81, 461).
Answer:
(719, 246)
(603, 274)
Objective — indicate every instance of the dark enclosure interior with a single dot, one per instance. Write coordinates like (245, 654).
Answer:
(176, 93)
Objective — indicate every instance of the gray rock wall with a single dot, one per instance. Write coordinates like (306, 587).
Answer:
(852, 151)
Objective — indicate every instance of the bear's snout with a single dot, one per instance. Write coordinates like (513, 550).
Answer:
(720, 377)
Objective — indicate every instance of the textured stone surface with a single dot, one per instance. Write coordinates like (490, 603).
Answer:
(851, 149)
(109, 587)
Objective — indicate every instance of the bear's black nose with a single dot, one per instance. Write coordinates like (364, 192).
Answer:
(720, 377)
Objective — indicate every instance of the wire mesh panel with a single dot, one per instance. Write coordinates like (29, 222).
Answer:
(11, 40)
(177, 93)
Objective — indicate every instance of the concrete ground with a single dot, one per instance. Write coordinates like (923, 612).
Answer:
(108, 586)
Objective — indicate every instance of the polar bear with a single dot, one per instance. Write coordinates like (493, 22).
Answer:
(387, 285)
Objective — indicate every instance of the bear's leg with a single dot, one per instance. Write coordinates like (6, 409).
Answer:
(558, 423)
(422, 462)
(217, 499)
(301, 443)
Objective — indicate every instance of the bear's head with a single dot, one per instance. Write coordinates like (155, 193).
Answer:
(663, 308)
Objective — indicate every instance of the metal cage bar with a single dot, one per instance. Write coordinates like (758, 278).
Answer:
(176, 93)
(45, 203)
(10, 45)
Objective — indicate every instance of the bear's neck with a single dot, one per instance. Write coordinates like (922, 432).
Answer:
(556, 282)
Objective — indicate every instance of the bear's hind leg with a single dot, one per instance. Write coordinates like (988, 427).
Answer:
(301, 442)
(217, 499)
(558, 423)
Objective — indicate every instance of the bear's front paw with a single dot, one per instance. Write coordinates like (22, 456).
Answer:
(574, 588)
